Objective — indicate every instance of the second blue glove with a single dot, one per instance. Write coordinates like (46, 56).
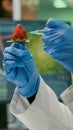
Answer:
(19, 68)
(58, 42)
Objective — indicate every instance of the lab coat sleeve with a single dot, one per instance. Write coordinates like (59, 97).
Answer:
(45, 113)
(67, 97)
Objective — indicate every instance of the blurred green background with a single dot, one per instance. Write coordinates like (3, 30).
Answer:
(48, 10)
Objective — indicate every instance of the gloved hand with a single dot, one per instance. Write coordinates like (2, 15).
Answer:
(19, 68)
(58, 42)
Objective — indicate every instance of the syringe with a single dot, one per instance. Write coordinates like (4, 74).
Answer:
(37, 32)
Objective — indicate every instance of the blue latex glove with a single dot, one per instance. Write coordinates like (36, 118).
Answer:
(58, 42)
(19, 68)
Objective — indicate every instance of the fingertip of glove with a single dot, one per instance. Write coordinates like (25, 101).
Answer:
(54, 23)
(18, 45)
(50, 22)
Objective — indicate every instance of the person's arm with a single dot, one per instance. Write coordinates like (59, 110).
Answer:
(58, 43)
(44, 113)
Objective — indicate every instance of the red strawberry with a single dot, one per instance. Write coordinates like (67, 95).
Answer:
(19, 33)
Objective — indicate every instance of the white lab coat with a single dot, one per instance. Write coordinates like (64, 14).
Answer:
(45, 113)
